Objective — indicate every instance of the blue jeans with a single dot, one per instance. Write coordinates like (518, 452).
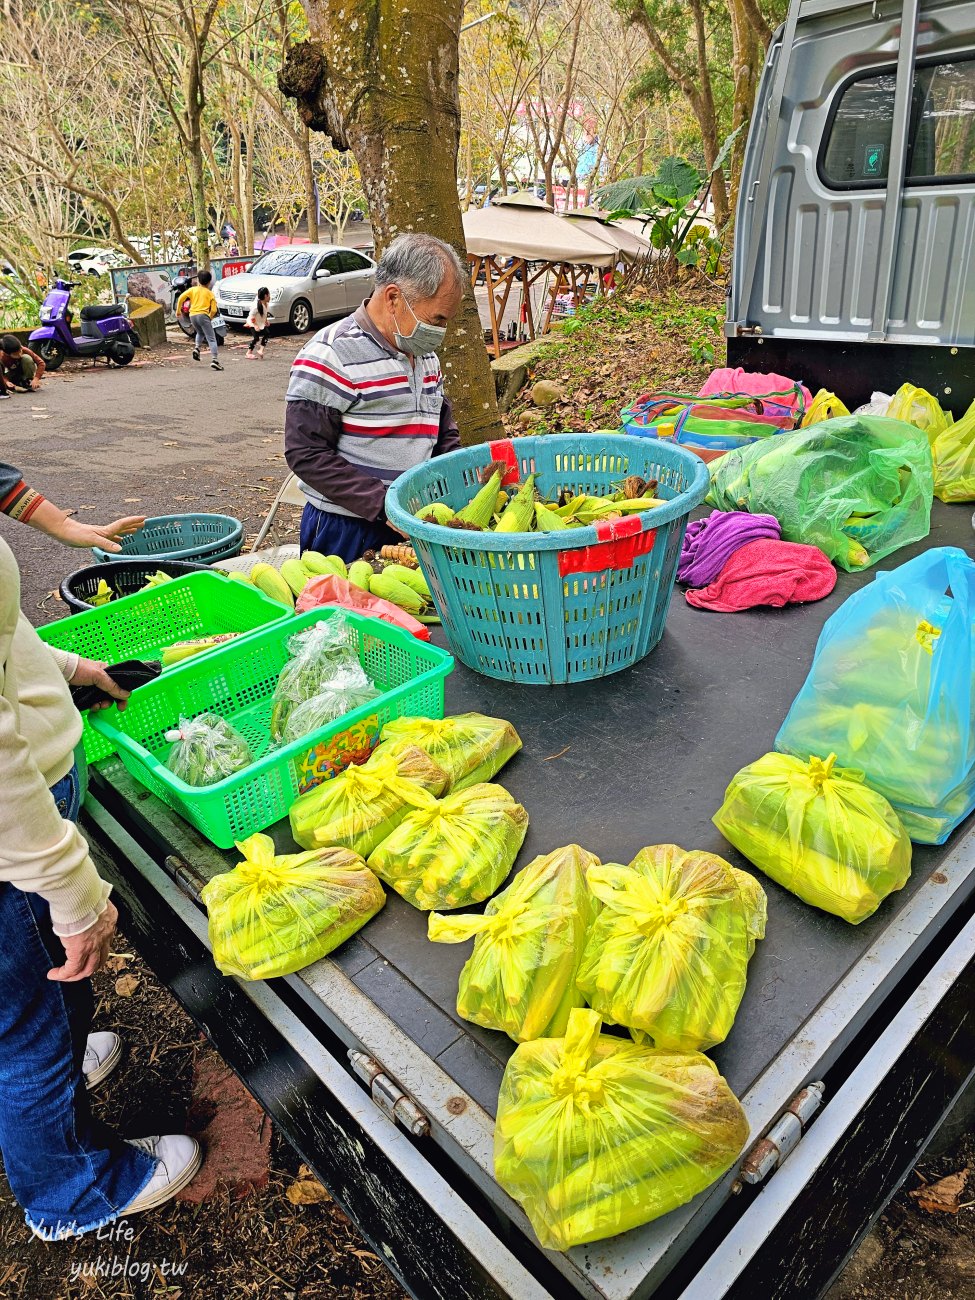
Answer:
(69, 1172)
(203, 326)
(342, 534)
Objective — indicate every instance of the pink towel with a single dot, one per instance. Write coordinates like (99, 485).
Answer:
(767, 572)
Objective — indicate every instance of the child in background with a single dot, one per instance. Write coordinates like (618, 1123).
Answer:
(203, 308)
(257, 323)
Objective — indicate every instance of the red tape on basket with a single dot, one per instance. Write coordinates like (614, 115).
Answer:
(504, 451)
(620, 542)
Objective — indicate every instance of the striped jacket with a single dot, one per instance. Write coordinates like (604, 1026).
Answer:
(358, 415)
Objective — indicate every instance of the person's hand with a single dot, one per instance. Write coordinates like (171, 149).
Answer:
(91, 672)
(74, 533)
(86, 952)
(35, 384)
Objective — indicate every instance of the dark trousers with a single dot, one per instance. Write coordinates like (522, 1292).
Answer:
(342, 534)
(259, 336)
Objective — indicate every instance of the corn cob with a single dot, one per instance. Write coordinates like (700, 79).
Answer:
(156, 580)
(518, 514)
(389, 588)
(103, 595)
(360, 573)
(317, 564)
(180, 650)
(267, 579)
(438, 512)
(237, 576)
(400, 553)
(480, 509)
(410, 577)
(295, 575)
(548, 520)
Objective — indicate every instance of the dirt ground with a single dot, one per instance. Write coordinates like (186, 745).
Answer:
(166, 435)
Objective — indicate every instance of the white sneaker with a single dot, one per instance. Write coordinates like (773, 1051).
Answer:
(178, 1161)
(103, 1051)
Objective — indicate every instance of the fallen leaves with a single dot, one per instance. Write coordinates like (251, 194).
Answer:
(943, 1196)
(126, 985)
(306, 1189)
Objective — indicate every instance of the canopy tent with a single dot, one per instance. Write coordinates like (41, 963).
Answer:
(639, 225)
(518, 229)
(631, 247)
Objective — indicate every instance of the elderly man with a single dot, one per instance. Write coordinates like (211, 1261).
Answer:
(366, 401)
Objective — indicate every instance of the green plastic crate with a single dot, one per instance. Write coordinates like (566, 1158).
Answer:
(141, 625)
(237, 682)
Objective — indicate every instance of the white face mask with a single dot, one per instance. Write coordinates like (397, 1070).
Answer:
(422, 338)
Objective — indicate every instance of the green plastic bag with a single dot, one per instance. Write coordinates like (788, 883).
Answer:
(455, 851)
(596, 1135)
(470, 747)
(668, 952)
(857, 487)
(819, 831)
(274, 915)
(521, 976)
(953, 452)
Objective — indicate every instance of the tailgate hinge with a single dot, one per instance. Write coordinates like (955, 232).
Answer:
(782, 1138)
(398, 1105)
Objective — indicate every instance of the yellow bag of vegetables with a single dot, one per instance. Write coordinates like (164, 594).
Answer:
(521, 976)
(668, 952)
(272, 915)
(596, 1135)
(455, 851)
(819, 831)
(362, 805)
(470, 747)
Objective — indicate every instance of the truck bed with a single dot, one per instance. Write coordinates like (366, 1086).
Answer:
(634, 759)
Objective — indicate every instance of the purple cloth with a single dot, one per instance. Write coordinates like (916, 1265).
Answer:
(709, 543)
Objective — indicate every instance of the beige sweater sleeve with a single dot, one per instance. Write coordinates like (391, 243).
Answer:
(40, 852)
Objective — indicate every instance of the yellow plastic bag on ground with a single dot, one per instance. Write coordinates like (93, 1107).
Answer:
(274, 915)
(953, 453)
(824, 406)
(669, 950)
(455, 851)
(819, 831)
(596, 1135)
(362, 805)
(521, 976)
(470, 747)
(918, 407)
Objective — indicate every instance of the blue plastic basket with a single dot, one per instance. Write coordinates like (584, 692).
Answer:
(547, 608)
(181, 537)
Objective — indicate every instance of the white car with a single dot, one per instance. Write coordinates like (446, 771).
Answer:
(308, 282)
(96, 261)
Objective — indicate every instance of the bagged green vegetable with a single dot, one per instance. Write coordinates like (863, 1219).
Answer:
(857, 487)
(273, 915)
(916, 406)
(596, 1135)
(206, 749)
(470, 747)
(890, 691)
(316, 655)
(953, 452)
(819, 831)
(668, 951)
(361, 806)
(454, 851)
(521, 976)
(348, 689)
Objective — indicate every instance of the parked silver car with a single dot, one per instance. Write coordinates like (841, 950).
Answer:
(308, 282)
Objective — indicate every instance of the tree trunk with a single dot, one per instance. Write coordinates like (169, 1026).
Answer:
(405, 132)
(311, 193)
(746, 60)
(234, 162)
(194, 162)
(248, 187)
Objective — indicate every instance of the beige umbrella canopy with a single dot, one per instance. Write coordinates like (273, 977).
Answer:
(631, 247)
(521, 225)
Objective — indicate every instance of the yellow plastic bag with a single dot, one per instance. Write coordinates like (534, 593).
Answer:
(362, 805)
(521, 976)
(819, 831)
(470, 747)
(824, 406)
(455, 851)
(918, 407)
(669, 950)
(274, 915)
(596, 1135)
(953, 453)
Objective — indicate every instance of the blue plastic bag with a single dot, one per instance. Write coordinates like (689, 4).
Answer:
(890, 691)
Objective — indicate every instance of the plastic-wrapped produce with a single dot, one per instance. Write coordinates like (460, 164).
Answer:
(521, 976)
(668, 951)
(206, 749)
(346, 690)
(596, 1135)
(454, 851)
(273, 915)
(819, 831)
(470, 747)
(317, 654)
(363, 805)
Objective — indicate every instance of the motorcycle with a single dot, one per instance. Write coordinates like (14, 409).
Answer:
(184, 280)
(105, 331)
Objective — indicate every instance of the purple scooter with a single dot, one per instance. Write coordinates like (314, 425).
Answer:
(105, 331)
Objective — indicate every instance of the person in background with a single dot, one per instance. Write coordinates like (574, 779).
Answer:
(203, 308)
(257, 323)
(365, 399)
(27, 506)
(22, 368)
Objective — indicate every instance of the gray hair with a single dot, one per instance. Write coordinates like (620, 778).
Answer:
(419, 264)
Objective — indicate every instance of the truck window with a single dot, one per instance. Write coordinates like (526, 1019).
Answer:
(857, 146)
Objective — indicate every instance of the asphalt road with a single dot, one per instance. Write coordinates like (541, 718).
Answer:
(164, 435)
